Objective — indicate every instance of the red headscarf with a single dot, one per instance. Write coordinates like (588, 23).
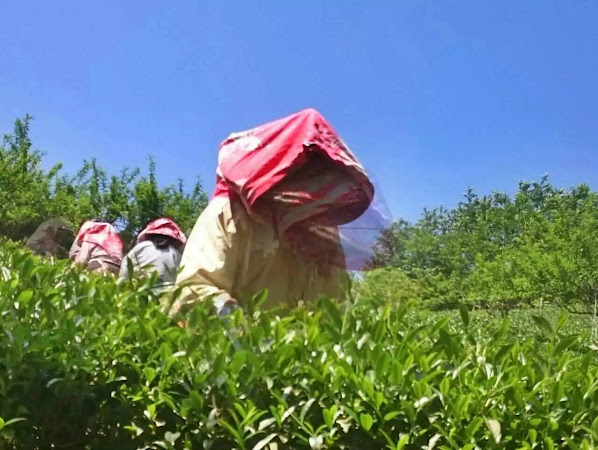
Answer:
(297, 175)
(104, 235)
(163, 227)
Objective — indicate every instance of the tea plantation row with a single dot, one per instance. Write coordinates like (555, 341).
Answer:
(88, 364)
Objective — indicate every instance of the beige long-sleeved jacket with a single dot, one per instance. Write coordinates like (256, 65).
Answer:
(230, 257)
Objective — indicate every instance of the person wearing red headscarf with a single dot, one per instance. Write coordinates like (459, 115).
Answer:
(158, 249)
(51, 238)
(97, 247)
(283, 189)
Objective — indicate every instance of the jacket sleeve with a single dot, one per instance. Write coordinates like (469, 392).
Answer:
(74, 251)
(124, 269)
(82, 254)
(211, 257)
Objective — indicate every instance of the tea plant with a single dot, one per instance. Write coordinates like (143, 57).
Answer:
(88, 363)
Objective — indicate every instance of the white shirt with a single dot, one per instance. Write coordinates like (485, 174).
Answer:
(147, 258)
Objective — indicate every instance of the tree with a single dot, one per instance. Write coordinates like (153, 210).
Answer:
(24, 184)
(29, 194)
(540, 243)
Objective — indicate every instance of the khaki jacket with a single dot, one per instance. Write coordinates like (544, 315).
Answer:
(231, 257)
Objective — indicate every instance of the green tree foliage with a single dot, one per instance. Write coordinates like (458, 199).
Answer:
(24, 185)
(29, 194)
(540, 243)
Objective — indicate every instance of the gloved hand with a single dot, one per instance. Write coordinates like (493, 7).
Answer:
(227, 309)
(225, 306)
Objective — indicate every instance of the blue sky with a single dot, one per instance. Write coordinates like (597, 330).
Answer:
(433, 97)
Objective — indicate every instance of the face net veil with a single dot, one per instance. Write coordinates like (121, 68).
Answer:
(359, 237)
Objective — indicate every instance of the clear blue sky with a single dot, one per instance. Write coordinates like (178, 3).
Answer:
(432, 96)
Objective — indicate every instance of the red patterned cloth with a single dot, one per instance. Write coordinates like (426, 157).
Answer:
(163, 227)
(297, 175)
(104, 235)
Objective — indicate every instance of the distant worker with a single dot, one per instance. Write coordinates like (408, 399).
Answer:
(52, 238)
(97, 247)
(282, 191)
(159, 248)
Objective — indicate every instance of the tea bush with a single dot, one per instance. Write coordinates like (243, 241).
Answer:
(86, 363)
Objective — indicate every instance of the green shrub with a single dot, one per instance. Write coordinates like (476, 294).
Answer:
(87, 363)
